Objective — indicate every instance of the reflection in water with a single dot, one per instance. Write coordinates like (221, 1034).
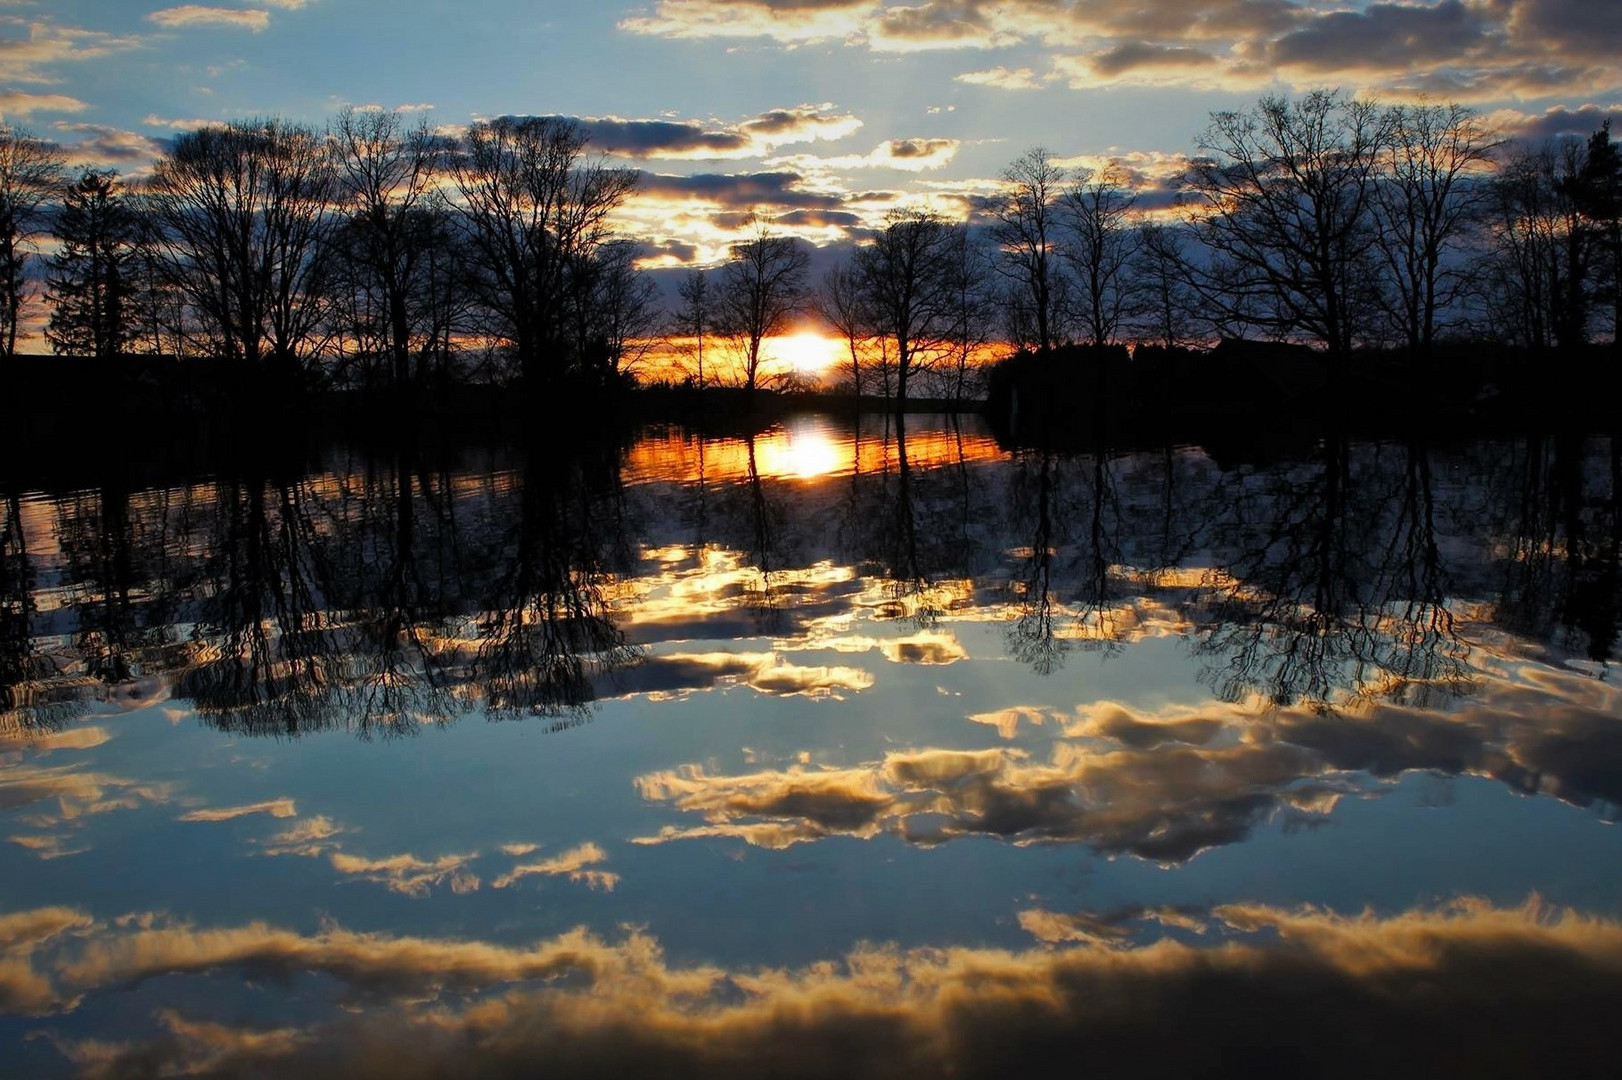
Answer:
(1464, 989)
(1073, 737)
(385, 594)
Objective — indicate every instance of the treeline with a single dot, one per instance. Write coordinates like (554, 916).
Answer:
(375, 253)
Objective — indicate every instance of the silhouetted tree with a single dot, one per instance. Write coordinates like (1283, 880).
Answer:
(1597, 191)
(619, 313)
(395, 221)
(245, 216)
(1426, 204)
(907, 281)
(762, 289)
(95, 271)
(1097, 212)
(696, 317)
(30, 177)
(1167, 306)
(973, 308)
(1281, 201)
(1536, 265)
(841, 304)
(1027, 230)
(534, 214)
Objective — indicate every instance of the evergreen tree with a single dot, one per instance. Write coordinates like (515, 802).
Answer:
(93, 274)
(1597, 190)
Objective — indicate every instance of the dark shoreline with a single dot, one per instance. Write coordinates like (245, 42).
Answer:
(79, 421)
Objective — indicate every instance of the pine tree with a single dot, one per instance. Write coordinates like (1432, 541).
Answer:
(93, 275)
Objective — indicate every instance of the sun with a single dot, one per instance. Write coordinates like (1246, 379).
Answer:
(806, 352)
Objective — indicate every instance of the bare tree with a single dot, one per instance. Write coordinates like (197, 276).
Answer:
(30, 178)
(394, 219)
(1027, 230)
(1167, 305)
(696, 316)
(1537, 262)
(840, 303)
(973, 308)
(1097, 211)
(1282, 202)
(619, 313)
(534, 213)
(762, 289)
(906, 278)
(1427, 201)
(245, 217)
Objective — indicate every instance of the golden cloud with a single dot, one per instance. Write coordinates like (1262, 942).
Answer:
(1465, 987)
(189, 15)
(276, 808)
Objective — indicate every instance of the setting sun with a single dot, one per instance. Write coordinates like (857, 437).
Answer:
(807, 352)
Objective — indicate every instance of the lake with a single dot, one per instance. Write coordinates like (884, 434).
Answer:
(846, 747)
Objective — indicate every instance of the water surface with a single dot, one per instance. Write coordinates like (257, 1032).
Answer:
(837, 748)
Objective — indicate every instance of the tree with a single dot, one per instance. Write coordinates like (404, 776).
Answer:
(1281, 203)
(1026, 229)
(96, 270)
(1597, 192)
(619, 314)
(1097, 210)
(1166, 304)
(534, 214)
(394, 220)
(762, 289)
(840, 303)
(30, 177)
(972, 305)
(907, 282)
(695, 318)
(1427, 201)
(245, 216)
(1537, 262)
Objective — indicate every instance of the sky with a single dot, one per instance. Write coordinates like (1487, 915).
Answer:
(822, 114)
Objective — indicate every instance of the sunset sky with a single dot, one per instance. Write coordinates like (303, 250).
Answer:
(823, 113)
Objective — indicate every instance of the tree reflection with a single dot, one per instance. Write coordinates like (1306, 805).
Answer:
(387, 590)
(547, 630)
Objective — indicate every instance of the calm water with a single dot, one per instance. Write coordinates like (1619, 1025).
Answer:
(828, 751)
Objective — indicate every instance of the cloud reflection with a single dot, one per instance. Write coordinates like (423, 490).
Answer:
(1464, 988)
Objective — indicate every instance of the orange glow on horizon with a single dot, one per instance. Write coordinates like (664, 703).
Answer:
(807, 449)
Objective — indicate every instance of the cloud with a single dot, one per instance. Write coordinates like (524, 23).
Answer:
(189, 15)
(1003, 78)
(276, 808)
(740, 191)
(787, 21)
(407, 874)
(16, 103)
(1465, 987)
(26, 57)
(766, 672)
(907, 155)
(1464, 49)
(692, 139)
(177, 123)
(101, 146)
(574, 864)
(1552, 123)
(1167, 785)
(309, 838)
(40, 743)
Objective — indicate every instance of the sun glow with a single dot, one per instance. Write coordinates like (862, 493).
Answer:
(806, 352)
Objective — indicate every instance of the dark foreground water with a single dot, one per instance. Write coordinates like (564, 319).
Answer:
(822, 753)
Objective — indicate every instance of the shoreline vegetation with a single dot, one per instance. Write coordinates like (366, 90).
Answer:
(1252, 398)
(1361, 267)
